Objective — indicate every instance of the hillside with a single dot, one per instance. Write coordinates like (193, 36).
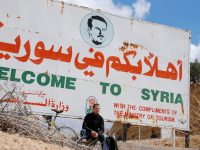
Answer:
(195, 109)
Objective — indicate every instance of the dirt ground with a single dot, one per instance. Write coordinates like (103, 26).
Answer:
(15, 142)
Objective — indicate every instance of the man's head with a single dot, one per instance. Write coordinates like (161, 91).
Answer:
(96, 109)
(97, 26)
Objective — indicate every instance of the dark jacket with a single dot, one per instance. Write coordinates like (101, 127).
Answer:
(93, 122)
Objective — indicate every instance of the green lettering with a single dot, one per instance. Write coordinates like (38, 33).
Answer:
(70, 83)
(56, 82)
(145, 95)
(44, 76)
(178, 99)
(104, 85)
(4, 73)
(155, 94)
(24, 77)
(13, 76)
(113, 87)
(171, 97)
(164, 96)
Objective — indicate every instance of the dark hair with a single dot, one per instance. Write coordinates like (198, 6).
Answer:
(95, 105)
(97, 18)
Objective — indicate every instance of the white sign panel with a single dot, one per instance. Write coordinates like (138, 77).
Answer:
(68, 58)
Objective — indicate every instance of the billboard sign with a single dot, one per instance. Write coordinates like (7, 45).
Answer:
(68, 57)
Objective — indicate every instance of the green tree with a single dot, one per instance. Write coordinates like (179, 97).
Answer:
(195, 71)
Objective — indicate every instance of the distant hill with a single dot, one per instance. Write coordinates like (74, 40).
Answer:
(195, 108)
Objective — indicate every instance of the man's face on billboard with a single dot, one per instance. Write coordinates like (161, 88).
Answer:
(97, 31)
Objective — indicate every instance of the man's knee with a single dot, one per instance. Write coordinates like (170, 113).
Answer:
(102, 137)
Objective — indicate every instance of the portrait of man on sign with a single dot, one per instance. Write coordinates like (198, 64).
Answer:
(97, 27)
(96, 30)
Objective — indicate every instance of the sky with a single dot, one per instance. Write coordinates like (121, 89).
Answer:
(183, 14)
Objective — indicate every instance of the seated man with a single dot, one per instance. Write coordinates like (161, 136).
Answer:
(94, 124)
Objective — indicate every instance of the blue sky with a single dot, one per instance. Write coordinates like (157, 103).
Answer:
(183, 14)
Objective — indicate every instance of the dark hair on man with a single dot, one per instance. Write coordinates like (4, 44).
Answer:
(94, 106)
(97, 18)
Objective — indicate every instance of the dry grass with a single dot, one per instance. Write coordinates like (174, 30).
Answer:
(16, 118)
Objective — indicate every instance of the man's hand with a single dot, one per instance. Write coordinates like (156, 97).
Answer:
(94, 134)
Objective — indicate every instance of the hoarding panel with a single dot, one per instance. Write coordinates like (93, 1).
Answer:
(68, 57)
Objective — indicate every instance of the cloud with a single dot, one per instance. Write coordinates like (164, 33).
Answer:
(141, 8)
(137, 10)
(194, 52)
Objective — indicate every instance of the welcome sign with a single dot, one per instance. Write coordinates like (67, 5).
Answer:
(67, 57)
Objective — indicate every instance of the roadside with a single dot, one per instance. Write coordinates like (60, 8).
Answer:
(15, 142)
